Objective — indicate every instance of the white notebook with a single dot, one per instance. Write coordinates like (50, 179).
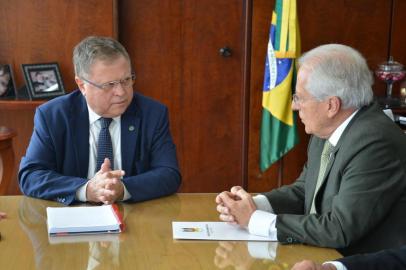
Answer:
(83, 220)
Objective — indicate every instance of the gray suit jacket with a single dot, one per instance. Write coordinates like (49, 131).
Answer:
(361, 203)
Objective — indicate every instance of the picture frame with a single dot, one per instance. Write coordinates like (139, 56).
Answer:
(43, 80)
(7, 83)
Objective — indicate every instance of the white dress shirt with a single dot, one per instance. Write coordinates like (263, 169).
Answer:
(338, 265)
(115, 134)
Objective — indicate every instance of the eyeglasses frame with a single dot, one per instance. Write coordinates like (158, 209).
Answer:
(111, 84)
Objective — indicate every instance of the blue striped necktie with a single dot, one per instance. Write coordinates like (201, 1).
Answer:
(104, 144)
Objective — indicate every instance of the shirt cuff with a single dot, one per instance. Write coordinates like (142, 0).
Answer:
(262, 203)
(127, 194)
(81, 193)
(263, 224)
(337, 265)
(263, 250)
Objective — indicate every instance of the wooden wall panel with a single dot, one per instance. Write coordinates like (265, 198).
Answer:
(362, 24)
(398, 48)
(39, 31)
(175, 49)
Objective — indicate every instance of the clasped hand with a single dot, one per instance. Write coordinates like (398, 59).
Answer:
(106, 185)
(235, 206)
(310, 265)
(233, 254)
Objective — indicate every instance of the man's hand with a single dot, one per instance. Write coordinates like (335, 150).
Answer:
(106, 185)
(233, 254)
(2, 215)
(310, 265)
(235, 206)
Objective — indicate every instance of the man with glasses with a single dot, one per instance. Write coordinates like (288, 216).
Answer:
(102, 143)
(351, 193)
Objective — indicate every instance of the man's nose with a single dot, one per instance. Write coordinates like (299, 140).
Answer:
(119, 89)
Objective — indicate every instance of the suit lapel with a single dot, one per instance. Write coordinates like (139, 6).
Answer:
(326, 173)
(130, 128)
(79, 118)
(314, 173)
(337, 147)
(329, 165)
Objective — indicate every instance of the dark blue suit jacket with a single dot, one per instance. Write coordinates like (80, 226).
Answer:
(389, 259)
(57, 158)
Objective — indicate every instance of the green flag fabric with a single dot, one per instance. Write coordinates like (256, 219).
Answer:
(278, 127)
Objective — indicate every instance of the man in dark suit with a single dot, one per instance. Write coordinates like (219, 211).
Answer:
(65, 160)
(389, 259)
(351, 194)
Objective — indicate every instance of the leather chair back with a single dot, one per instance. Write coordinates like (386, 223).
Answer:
(7, 159)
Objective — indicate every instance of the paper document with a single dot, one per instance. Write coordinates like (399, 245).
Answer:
(213, 231)
(83, 220)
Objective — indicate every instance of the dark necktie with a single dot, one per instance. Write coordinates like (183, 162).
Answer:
(325, 157)
(104, 145)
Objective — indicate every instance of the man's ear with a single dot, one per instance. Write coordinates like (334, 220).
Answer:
(81, 85)
(334, 104)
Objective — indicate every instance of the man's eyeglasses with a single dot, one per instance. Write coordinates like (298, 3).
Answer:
(125, 83)
(296, 99)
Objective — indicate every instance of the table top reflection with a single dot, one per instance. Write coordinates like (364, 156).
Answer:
(147, 242)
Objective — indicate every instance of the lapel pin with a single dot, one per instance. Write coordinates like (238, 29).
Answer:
(131, 128)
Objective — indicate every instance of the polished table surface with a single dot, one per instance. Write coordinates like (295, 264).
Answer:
(146, 243)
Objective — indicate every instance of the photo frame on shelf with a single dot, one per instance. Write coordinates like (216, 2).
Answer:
(43, 81)
(7, 83)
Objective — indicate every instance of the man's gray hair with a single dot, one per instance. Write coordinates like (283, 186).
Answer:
(96, 48)
(338, 70)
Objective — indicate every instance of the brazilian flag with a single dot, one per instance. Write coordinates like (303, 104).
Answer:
(278, 127)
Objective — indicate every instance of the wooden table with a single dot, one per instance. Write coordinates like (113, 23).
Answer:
(146, 244)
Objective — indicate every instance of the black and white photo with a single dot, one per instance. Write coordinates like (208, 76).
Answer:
(43, 80)
(7, 85)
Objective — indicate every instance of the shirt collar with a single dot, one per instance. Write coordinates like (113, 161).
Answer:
(335, 137)
(93, 117)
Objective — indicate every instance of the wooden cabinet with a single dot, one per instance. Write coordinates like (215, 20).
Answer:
(176, 50)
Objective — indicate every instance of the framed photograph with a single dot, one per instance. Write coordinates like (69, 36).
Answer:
(7, 84)
(43, 81)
